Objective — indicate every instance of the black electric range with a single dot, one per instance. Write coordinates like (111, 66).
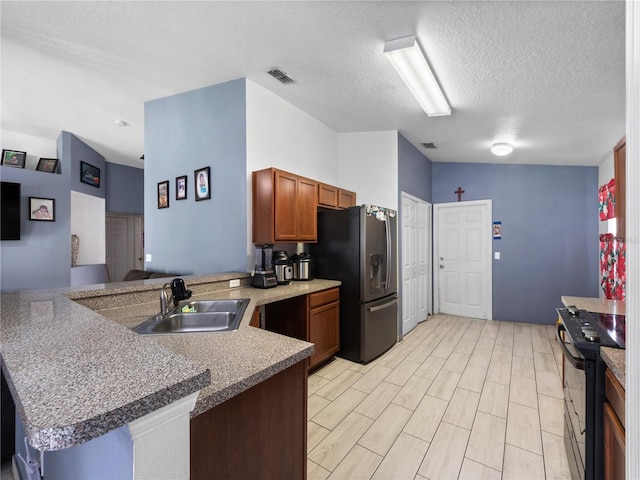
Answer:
(581, 334)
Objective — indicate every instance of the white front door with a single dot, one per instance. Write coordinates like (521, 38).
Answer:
(416, 245)
(462, 258)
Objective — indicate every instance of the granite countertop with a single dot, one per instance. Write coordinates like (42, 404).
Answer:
(613, 357)
(239, 359)
(77, 373)
(598, 305)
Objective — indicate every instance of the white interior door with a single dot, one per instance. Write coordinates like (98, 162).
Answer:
(424, 260)
(462, 258)
(416, 245)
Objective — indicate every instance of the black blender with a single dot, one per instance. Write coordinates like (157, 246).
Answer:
(264, 276)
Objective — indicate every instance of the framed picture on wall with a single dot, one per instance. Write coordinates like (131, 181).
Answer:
(14, 158)
(181, 188)
(202, 179)
(47, 165)
(42, 209)
(89, 174)
(163, 194)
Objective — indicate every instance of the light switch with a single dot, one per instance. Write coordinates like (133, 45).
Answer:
(496, 255)
(147, 257)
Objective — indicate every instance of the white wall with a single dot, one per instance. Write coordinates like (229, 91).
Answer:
(283, 136)
(36, 147)
(606, 172)
(368, 164)
(88, 221)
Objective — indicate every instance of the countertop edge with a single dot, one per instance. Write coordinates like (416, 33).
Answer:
(615, 359)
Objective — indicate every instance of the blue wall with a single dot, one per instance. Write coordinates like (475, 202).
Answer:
(125, 189)
(72, 151)
(42, 258)
(549, 244)
(414, 171)
(183, 133)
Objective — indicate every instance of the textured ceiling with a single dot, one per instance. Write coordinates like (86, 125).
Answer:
(546, 76)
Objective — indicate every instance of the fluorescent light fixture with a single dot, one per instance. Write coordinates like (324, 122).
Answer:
(501, 149)
(409, 61)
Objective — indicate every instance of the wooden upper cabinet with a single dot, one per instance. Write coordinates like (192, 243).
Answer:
(307, 210)
(620, 164)
(346, 199)
(327, 195)
(284, 207)
(334, 197)
(286, 187)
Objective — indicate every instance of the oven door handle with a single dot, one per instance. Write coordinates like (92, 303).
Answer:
(575, 361)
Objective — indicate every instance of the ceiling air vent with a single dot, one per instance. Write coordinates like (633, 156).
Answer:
(281, 76)
(429, 145)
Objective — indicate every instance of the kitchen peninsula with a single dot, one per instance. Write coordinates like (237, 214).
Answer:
(76, 372)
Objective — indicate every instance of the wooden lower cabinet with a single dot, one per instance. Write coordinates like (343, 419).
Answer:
(324, 325)
(314, 318)
(260, 433)
(614, 429)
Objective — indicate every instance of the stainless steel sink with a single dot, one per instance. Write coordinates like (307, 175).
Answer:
(198, 316)
(214, 305)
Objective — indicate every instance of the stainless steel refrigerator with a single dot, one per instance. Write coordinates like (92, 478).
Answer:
(358, 246)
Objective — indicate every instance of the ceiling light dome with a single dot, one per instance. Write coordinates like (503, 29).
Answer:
(501, 149)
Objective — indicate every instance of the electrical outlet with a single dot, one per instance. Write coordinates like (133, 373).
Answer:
(234, 283)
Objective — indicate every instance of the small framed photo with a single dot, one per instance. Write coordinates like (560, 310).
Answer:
(47, 165)
(181, 188)
(89, 174)
(202, 180)
(42, 209)
(163, 194)
(14, 158)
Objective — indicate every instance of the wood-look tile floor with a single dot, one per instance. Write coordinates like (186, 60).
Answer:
(456, 398)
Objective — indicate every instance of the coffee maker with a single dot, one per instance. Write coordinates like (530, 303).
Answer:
(264, 276)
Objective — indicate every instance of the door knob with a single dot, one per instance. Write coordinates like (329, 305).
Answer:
(441, 265)
(441, 258)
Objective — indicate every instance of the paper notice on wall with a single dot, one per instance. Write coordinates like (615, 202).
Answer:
(497, 230)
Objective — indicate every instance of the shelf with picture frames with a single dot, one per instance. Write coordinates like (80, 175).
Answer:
(19, 159)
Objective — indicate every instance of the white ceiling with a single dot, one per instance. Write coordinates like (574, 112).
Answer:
(546, 76)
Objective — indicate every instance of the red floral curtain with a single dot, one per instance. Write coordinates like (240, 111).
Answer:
(612, 266)
(606, 202)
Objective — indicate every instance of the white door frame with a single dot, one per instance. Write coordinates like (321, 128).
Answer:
(436, 213)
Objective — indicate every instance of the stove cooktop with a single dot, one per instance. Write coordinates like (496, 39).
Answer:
(613, 324)
(588, 332)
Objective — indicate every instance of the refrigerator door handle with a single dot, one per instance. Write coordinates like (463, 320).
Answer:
(387, 232)
(383, 306)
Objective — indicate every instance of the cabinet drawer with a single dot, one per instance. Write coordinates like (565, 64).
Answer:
(615, 395)
(321, 298)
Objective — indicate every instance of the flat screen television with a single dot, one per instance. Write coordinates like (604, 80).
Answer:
(9, 211)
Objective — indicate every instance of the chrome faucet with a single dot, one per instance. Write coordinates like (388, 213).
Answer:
(165, 300)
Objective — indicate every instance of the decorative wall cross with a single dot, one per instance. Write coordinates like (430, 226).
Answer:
(459, 192)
